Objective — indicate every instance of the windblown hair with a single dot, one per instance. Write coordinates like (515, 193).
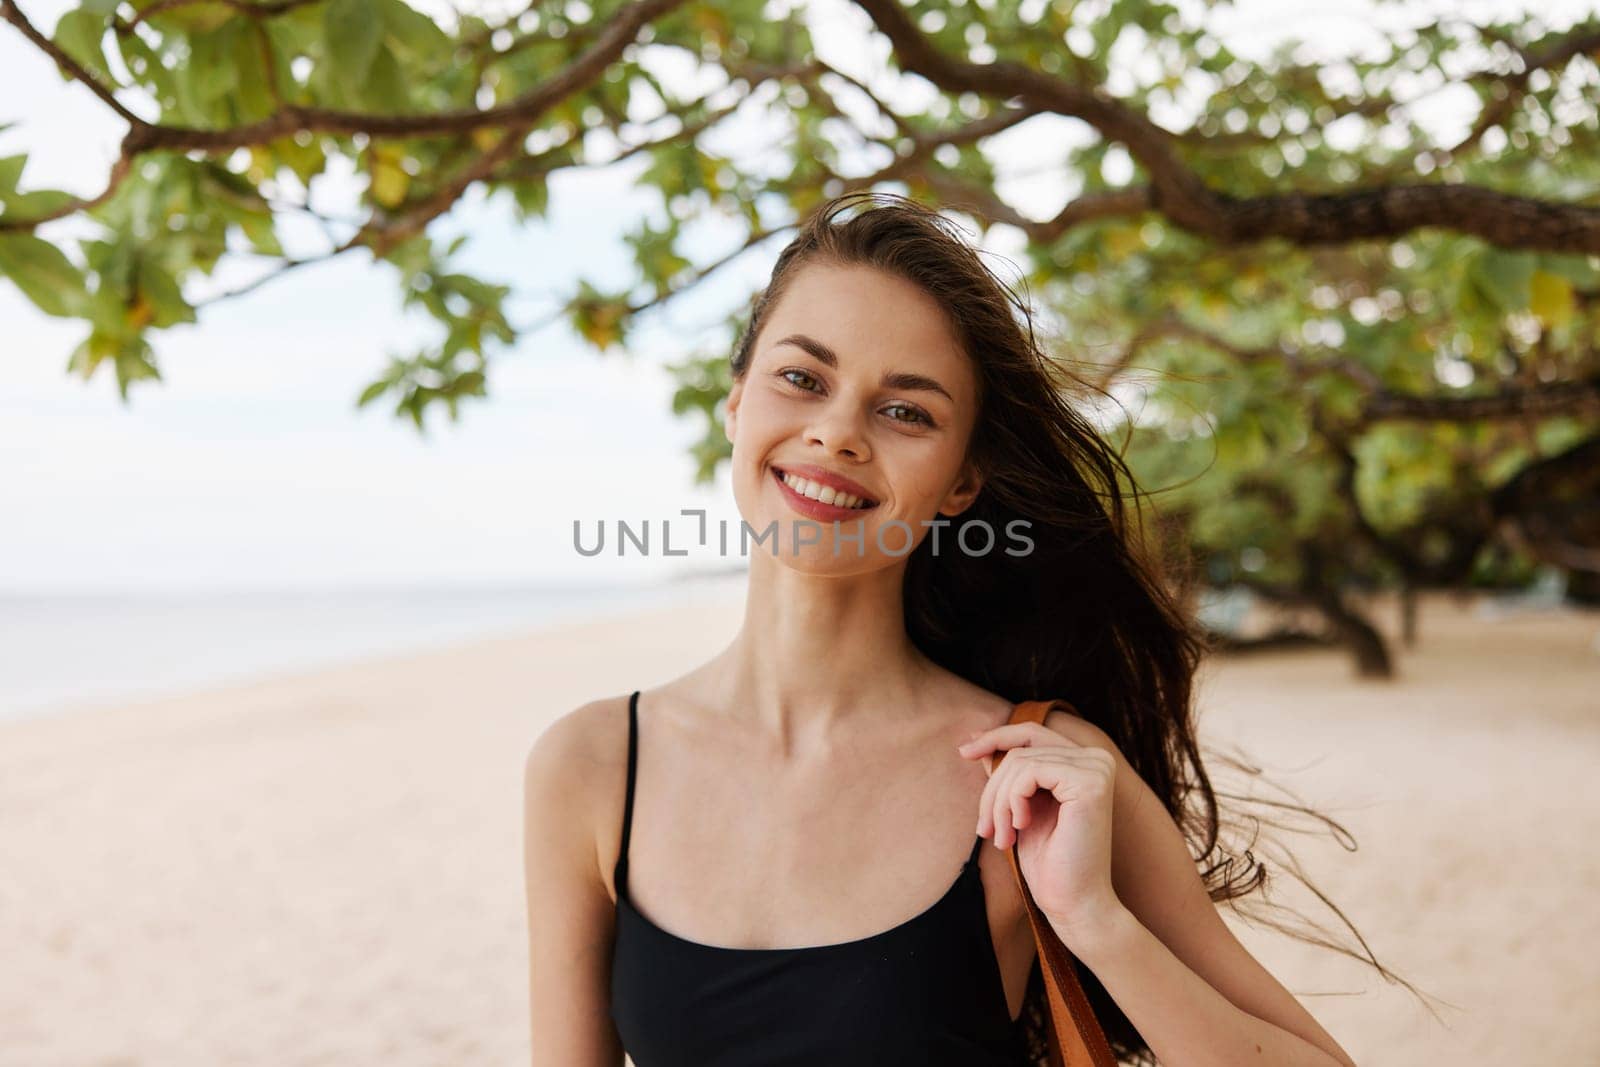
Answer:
(1091, 615)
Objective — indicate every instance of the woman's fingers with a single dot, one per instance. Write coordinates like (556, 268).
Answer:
(1021, 810)
(1007, 802)
(1011, 735)
(1000, 807)
(991, 789)
(1005, 806)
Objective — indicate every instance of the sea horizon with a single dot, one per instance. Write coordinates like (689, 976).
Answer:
(73, 649)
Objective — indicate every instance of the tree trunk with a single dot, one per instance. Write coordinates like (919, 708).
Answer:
(1408, 614)
(1323, 588)
(1359, 636)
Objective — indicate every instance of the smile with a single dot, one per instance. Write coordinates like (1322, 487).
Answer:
(817, 493)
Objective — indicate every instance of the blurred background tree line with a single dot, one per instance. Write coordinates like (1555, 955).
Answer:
(1347, 357)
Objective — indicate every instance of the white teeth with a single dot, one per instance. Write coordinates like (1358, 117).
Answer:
(826, 494)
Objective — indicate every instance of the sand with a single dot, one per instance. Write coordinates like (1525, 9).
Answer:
(326, 868)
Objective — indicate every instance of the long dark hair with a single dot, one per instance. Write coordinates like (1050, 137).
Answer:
(1091, 614)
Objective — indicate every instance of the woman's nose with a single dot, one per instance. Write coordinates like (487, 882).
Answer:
(838, 429)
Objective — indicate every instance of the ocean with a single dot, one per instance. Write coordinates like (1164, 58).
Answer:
(60, 651)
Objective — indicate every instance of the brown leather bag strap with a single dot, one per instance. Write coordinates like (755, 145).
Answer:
(1079, 1041)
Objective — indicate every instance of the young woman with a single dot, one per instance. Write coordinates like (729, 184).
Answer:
(777, 857)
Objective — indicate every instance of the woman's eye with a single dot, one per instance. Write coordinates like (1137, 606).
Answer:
(785, 375)
(916, 416)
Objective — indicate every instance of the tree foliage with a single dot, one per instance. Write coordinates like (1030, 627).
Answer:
(1339, 336)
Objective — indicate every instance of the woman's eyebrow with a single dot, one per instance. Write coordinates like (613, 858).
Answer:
(893, 379)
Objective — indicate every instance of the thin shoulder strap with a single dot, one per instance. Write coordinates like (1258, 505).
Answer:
(1079, 1041)
(621, 873)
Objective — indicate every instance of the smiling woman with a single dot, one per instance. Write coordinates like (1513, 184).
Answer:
(720, 869)
(881, 410)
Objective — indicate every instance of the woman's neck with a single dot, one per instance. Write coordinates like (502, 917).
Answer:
(821, 662)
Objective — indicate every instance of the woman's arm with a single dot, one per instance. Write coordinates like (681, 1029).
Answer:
(1166, 957)
(570, 914)
(1112, 873)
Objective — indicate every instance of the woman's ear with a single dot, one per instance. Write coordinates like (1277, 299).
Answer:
(964, 492)
(730, 413)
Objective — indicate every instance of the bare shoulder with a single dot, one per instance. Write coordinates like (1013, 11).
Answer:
(575, 774)
(568, 779)
(584, 736)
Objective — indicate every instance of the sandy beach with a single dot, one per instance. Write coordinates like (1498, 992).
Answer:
(326, 869)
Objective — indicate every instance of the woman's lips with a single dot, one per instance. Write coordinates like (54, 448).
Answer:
(816, 509)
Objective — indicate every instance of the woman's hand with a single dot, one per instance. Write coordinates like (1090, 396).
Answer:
(1051, 798)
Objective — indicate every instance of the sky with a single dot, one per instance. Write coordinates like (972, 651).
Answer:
(249, 467)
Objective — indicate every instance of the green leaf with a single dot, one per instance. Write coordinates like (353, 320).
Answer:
(43, 273)
(353, 30)
(386, 89)
(1503, 278)
(210, 74)
(373, 392)
(417, 36)
(135, 361)
(389, 179)
(79, 33)
(144, 64)
(36, 204)
(1550, 298)
(88, 355)
(185, 18)
(11, 173)
(254, 98)
(167, 304)
(262, 234)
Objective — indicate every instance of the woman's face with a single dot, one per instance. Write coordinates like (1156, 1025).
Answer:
(855, 374)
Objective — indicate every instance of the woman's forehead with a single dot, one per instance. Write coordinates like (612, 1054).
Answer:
(865, 315)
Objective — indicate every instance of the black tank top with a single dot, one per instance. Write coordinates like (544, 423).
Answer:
(927, 991)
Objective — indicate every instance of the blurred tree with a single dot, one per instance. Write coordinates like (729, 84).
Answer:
(1362, 356)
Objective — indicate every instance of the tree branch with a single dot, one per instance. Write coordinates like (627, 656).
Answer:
(1545, 400)
(1548, 54)
(120, 170)
(523, 111)
(1549, 506)
(520, 114)
(383, 236)
(13, 14)
(149, 137)
(1502, 219)
(1385, 211)
(262, 9)
(278, 271)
